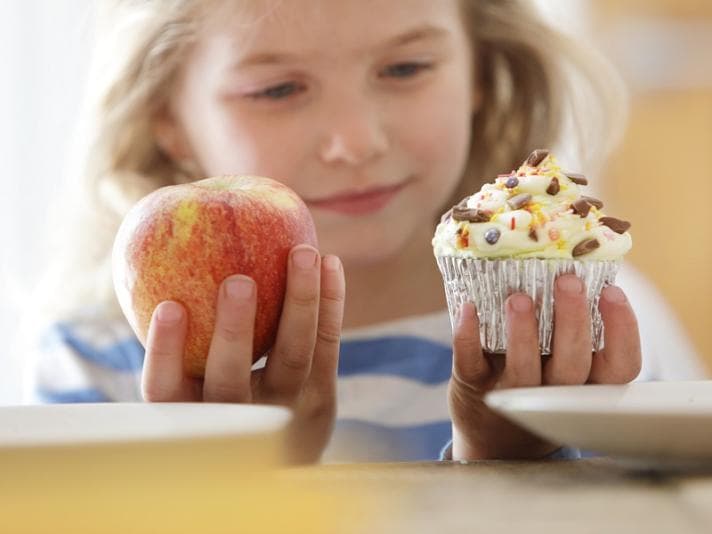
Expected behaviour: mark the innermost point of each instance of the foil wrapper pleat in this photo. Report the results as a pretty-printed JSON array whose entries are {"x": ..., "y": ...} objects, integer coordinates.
[{"x": 488, "y": 282}]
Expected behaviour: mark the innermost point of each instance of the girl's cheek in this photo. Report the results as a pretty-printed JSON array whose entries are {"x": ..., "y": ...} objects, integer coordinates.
[
  {"x": 277, "y": 153},
  {"x": 442, "y": 138},
  {"x": 230, "y": 145},
  {"x": 440, "y": 119}
]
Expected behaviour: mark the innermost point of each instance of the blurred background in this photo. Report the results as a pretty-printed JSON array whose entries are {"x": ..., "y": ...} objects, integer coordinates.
[{"x": 660, "y": 178}]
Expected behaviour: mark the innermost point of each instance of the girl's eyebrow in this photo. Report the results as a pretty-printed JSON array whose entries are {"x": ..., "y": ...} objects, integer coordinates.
[{"x": 420, "y": 33}]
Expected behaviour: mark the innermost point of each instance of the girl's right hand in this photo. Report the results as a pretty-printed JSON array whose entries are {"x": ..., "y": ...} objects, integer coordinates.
[
  {"x": 479, "y": 432},
  {"x": 301, "y": 369}
]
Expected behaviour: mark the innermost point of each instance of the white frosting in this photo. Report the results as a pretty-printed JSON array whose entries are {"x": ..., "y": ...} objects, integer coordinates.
[{"x": 557, "y": 227}]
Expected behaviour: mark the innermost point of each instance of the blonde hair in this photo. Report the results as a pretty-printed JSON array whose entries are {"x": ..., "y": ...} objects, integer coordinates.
[{"x": 533, "y": 80}]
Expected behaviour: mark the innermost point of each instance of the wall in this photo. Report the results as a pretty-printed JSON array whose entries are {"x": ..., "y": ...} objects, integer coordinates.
[
  {"x": 661, "y": 177},
  {"x": 44, "y": 48}
]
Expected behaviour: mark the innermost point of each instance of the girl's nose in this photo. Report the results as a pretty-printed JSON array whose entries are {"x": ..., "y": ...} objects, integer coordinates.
[{"x": 354, "y": 135}]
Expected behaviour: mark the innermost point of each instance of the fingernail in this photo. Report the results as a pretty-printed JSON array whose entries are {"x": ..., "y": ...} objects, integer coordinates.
[
  {"x": 570, "y": 284},
  {"x": 521, "y": 303},
  {"x": 239, "y": 288},
  {"x": 304, "y": 258},
  {"x": 614, "y": 295},
  {"x": 169, "y": 312},
  {"x": 332, "y": 263}
]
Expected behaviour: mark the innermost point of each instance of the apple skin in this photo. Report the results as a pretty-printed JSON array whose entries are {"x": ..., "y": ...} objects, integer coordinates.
[{"x": 180, "y": 242}]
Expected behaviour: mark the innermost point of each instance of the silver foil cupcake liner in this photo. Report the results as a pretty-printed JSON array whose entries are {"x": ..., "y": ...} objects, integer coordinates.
[{"x": 488, "y": 282}]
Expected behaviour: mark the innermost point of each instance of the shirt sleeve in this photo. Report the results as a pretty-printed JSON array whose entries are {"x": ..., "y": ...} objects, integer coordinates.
[
  {"x": 562, "y": 453},
  {"x": 668, "y": 352},
  {"x": 83, "y": 362}
]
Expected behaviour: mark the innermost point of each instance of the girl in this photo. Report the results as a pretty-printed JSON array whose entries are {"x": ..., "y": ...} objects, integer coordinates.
[{"x": 380, "y": 114}]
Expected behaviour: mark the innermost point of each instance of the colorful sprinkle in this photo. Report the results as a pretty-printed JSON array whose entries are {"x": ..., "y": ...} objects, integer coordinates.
[
  {"x": 617, "y": 225},
  {"x": 463, "y": 238},
  {"x": 554, "y": 187},
  {"x": 512, "y": 182},
  {"x": 541, "y": 217},
  {"x": 536, "y": 157},
  {"x": 492, "y": 236},
  {"x": 578, "y": 179},
  {"x": 584, "y": 247},
  {"x": 471, "y": 215},
  {"x": 518, "y": 201},
  {"x": 593, "y": 201},
  {"x": 581, "y": 207}
]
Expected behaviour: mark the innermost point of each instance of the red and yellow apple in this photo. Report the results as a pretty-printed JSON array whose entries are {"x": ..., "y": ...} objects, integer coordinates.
[{"x": 180, "y": 242}]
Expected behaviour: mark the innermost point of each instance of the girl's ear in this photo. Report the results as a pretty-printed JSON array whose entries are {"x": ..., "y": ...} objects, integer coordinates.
[
  {"x": 477, "y": 98},
  {"x": 169, "y": 136},
  {"x": 477, "y": 86}
]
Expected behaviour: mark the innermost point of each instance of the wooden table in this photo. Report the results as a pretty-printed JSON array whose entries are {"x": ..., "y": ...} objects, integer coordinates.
[{"x": 581, "y": 496}]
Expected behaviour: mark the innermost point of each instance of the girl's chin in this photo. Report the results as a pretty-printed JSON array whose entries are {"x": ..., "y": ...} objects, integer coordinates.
[
  {"x": 361, "y": 261},
  {"x": 362, "y": 253}
]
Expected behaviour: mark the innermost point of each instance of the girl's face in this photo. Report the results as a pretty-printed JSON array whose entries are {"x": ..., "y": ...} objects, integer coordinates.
[{"x": 363, "y": 107}]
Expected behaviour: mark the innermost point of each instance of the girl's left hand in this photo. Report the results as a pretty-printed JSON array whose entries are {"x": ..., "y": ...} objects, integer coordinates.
[
  {"x": 480, "y": 433},
  {"x": 300, "y": 372}
]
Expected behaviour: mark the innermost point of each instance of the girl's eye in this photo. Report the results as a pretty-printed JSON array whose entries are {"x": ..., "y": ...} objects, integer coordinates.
[
  {"x": 278, "y": 92},
  {"x": 405, "y": 70}
]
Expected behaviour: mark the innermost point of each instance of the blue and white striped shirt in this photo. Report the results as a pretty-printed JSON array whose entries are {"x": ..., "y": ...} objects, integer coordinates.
[{"x": 392, "y": 390}]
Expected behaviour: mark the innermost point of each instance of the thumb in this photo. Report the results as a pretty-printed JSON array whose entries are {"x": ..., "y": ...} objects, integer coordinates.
[{"x": 469, "y": 365}]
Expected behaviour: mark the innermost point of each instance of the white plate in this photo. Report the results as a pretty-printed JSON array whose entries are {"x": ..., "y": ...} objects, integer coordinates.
[
  {"x": 112, "y": 423},
  {"x": 146, "y": 468},
  {"x": 666, "y": 421}
]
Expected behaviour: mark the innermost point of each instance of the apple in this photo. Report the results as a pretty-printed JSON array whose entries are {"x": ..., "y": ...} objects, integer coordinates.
[{"x": 180, "y": 242}]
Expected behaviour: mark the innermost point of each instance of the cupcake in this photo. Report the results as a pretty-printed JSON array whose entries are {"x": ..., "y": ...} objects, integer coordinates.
[{"x": 518, "y": 234}]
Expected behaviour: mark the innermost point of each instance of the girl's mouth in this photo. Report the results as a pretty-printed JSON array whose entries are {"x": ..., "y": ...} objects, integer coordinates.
[{"x": 359, "y": 202}]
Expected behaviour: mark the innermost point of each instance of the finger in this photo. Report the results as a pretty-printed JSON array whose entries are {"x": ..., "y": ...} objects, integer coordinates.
[
  {"x": 571, "y": 355},
  {"x": 331, "y": 314},
  {"x": 313, "y": 420},
  {"x": 471, "y": 376},
  {"x": 620, "y": 360},
  {"x": 163, "y": 379},
  {"x": 289, "y": 362},
  {"x": 227, "y": 371},
  {"x": 468, "y": 363},
  {"x": 522, "y": 366}
]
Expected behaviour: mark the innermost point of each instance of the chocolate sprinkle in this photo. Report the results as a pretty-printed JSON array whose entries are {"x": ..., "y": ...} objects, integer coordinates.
[
  {"x": 470, "y": 215},
  {"x": 492, "y": 235},
  {"x": 584, "y": 247},
  {"x": 617, "y": 225},
  {"x": 554, "y": 187},
  {"x": 532, "y": 235},
  {"x": 593, "y": 201},
  {"x": 581, "y": 207},
  {"x": 512, "y": 182},
  {"x": 517, "y": 201},
  {"x": 536, "y": 157},
  {"x": 578, "y": 179}
]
